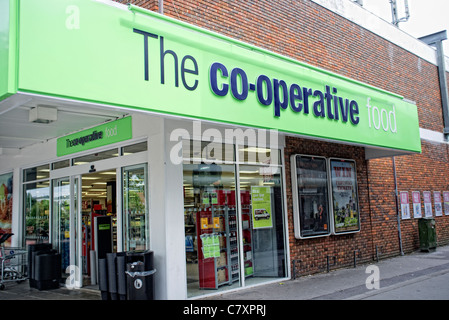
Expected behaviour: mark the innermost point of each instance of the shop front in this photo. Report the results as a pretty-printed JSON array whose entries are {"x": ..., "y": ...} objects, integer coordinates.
[
  {"x": 75, "y": 207},
  {"x": 168, "y": 137}
]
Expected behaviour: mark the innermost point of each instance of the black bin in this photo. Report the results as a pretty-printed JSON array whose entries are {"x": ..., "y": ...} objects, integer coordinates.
[
  {"x": 33, "y": 251},
  {"x": 47, "y": 270},
  {"x": 140, "y": 275},
  {"x": 116, "y": 275}
]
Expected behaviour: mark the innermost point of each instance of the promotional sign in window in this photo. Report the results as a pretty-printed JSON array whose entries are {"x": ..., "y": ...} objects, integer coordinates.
[
  {"x": 344, "y": 196},
  {"x": 437, "y": 203},
  {"x": 405, "y": 207},
  {"x": 310, "y": 196},
  {"x": 416, "y": 199},
  {"x": 446, "y": 202},
  {"x": 427, "y": 204},
  {"x": 261, "y": 204}
]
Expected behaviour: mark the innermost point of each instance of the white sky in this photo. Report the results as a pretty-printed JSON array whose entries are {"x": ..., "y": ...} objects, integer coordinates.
[{"x": 426, "y": 16}]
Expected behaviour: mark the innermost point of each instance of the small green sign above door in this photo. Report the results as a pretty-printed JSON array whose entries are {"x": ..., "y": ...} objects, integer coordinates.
[{"x": 102, "y": 135}]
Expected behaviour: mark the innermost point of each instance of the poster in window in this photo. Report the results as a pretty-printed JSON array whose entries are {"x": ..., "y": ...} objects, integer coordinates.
[
  {"x": 311, "y": 199},
  {"x": 405, "y": 206},
  {"x": 437, "y": 203},
  {"x": 344, "y": 196},
  {"x": 261, "y": 206},
  {"x": 446, "y": 202},
  {"x": 416, "y": 200},
  {"x": 5, "y": 203},
  {"x": 427, "y": 204}
]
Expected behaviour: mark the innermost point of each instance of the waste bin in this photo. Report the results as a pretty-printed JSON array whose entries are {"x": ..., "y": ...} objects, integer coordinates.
[
  {"x": 47, "y": 270},
  {"x": 427, "y": 234},
  {"x": 116, "y": 275},
  {"x": 140, "y": 275},
  {"x": 33, "y": 250}
]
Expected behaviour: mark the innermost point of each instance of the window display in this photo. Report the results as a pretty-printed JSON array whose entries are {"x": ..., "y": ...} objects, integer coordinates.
[
  {"x": 344, "y": 196},
  {"x": 311, "y": 205},
  {"x": 212, "y": 251},
  {"x": 325, "y": 197},
  {"x": 232, "y": 242},
  {"x": 36, "y": 204},
  {"x": 6, "y": 203}
]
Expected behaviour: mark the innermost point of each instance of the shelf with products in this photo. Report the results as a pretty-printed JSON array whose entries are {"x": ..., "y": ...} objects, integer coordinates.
[
  {"x": 211, "y": 227},
  {"x": 216, "y": 238},
  {"x": 247, "y": 231}
]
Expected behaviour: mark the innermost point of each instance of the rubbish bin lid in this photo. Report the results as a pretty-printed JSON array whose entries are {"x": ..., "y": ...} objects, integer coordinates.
[{"x": 140, "y": 273}]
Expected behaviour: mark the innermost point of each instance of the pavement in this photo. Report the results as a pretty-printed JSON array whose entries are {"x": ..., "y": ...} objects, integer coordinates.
[{"x": 415, "y": 276}]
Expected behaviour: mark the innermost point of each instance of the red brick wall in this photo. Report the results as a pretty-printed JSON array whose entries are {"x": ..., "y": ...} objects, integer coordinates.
[
  {"x": 313, "y": 252},
  {"x": 310, "y": 33}
]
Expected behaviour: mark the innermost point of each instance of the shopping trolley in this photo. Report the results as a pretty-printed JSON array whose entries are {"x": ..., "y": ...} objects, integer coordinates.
[{"x": 13, "y": 262}]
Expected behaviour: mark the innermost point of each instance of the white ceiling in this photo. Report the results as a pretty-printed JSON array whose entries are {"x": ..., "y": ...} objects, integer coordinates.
[{"x": 17, "y": 132}]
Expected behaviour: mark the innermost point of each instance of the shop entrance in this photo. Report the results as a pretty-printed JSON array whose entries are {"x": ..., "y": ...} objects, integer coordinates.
[
  {"x": 98, "y": 218},
  {"x": 95, "y": 213}
]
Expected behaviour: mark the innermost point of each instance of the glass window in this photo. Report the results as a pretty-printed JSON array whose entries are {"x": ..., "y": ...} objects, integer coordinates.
[
  {"x": 95, "y": 157},
  {"x": 310, "y": 196},
  {"x": 258, "y": 155},
  {"x": 60, "y": 164},
  {"x": 211, "y": 234},
  {"x": 216, "y": 229},
  {"x": 36, "y": 208},
  {"x": 344, "y": 196},
  {"x": 207, "y": 152},
  {"x": 6, "y": 197},
  {"x": 134, "y": 148},
  {"x": 135, "y": 208},
  {"x": 36, "y": 173},
  {"x": 262, "y": 222},
  {"x": 61, "y": 219}
]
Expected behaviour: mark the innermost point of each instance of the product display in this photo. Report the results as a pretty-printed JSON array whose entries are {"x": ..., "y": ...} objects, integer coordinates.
[{"x": 214, "y": 243}]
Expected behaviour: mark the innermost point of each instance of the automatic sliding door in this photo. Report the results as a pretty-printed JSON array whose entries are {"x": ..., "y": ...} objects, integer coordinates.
[
  {"x": 61, "y": 219},
  {"x": 66, "y": 219}
]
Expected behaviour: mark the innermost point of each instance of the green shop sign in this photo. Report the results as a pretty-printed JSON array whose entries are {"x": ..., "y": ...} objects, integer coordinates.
[
  {"x": 108, "y": 53},
  {"x": 102, "y": 135}
]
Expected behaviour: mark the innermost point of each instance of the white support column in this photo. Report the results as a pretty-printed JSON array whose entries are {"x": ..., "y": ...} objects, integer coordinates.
[{"x": 166, "y": 215}]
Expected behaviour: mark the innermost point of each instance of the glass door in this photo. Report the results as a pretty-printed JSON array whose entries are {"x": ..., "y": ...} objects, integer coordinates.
[
  {"x": 66, "y": 219},
  {"x": 135, "y": 208}
]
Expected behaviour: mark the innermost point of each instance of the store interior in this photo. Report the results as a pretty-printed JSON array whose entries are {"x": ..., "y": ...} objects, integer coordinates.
[{"x": 98, "y": 199}]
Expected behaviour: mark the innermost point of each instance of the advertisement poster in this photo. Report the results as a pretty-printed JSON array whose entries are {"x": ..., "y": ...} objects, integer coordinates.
[
  {"x": 437, "y": 203},
  {"x": 405, "y": 206},
  {"x": 427, "y": 204},
  {"x": 446, "y": 202},
  {"x": 344, "y": 195},
  {"x": 416, "y": 199},
  {"x": 6, "y": 203},
  {"x": 261, "y": 207}
]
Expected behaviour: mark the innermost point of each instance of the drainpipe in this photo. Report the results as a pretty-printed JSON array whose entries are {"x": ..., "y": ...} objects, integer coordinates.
[
  {"x": 436, "y": 40},
  {"x": 160, "y": 5},
  {"x": 398, "y": 212}
]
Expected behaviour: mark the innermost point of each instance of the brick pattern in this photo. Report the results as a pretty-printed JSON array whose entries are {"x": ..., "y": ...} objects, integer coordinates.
[
  {"x": 309, "y": 33},
  {"x": 313, "y": 252}
]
